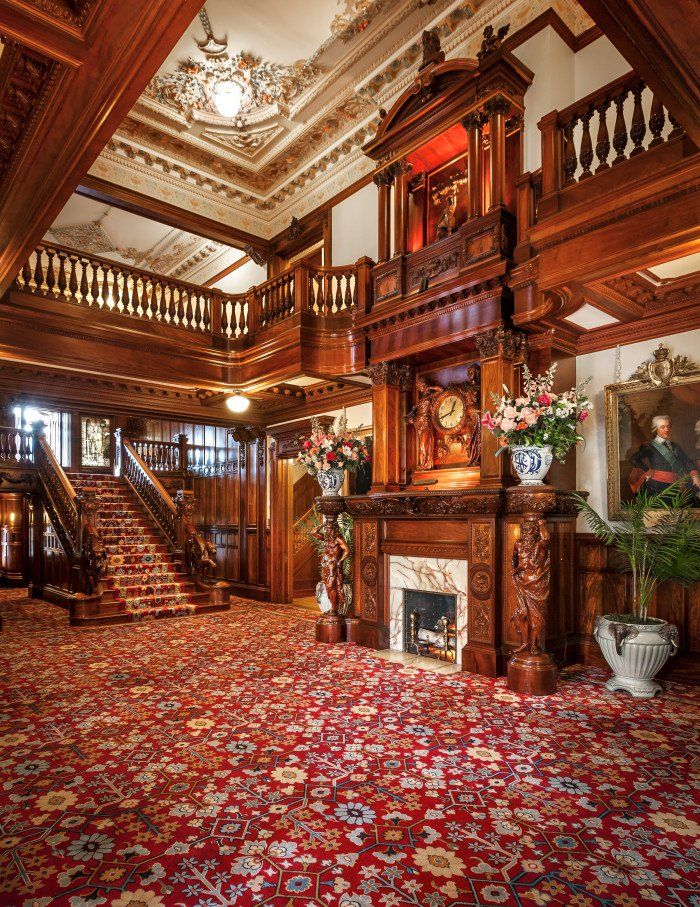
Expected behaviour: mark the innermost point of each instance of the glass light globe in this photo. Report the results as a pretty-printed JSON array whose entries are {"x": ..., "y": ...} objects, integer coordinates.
[
  {"x": 237, "y": 403},
  {"x": 228, "y": 97}
]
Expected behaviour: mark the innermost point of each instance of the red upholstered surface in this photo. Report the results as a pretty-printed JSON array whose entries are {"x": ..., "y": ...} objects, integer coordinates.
[{"x": 229, "y": 760}]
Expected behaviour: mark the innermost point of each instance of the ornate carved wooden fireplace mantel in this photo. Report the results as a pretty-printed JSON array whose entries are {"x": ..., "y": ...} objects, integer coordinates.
[{"x": 480, "y": 526}]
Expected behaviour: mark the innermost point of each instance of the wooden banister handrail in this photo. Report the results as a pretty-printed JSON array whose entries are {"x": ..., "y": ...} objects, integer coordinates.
[{"x": 594, "y": 98}]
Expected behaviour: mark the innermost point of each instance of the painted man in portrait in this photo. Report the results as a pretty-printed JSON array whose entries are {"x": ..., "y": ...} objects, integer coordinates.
[{"x": 661, "y": 462}]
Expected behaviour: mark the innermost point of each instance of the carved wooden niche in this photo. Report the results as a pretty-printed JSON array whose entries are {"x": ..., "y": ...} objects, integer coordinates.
[{"x": 446, "y": 421}]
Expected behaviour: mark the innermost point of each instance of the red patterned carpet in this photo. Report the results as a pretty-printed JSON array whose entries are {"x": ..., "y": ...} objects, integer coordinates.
[{"x": 229, "y": 760}]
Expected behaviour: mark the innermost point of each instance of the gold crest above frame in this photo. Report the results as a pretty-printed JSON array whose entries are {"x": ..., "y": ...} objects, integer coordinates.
[{"x": 652, "y": 429}]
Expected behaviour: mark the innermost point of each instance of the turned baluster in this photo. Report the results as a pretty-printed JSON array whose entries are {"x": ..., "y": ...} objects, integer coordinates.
[
  {"x": 167, "y": 288},
  {"x": 657, "y": 121},
  {"x": 639, "y": 127},
  {"x": 602, "y": 145},
  {"x": 26, "y": 275},
  {"x": 570, "y": 159},
  {"x": 338, "y": 305},
  {"x": 62, "y": 279},
  {"x": 94, "y": 284},
  {"x": 586, "y": 155},
  {"x": 39, "y": 271},
  {"x": 320, "y": 293},
  {"x": 106, "y": 295},
  {"x": 180, "y": 306},
  {"x": 126, "y": 302},
  {"x": 620, "y": 135},
  {"x": 50, "y": 278},
  {"x": 347, "y": 299},
  {"x": 226, "y": 318},
  {"x": 157, "y": 300},
  {"x": 677, "y": 128},
  {"x": 73, "y": 279},
  {"x": 83, "y": 285},
  {"x": 355, "y": 281}
]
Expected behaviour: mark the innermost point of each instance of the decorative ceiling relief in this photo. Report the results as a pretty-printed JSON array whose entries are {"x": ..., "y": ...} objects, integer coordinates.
[
  {"x": 152, "y": 246},
  {"x": 193, "y": 85}
]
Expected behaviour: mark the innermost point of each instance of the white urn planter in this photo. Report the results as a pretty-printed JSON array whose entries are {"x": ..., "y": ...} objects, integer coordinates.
[
  {"x": 331, "y": 481},
  {"x": 636, "y": 653},
  {"x": 531, "y": 463}
]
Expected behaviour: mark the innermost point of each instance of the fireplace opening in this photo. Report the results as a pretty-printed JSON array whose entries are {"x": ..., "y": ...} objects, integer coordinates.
[{"x": 430, "y": 627}]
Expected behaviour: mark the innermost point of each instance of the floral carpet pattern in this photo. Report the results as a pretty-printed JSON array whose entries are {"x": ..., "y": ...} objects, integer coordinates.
[{"x": 230, "y": 760}]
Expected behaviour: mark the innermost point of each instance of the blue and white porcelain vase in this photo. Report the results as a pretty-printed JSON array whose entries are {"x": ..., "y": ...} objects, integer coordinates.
[
  {"x": 331, "y": 481},
  {"x": 531, "y": 463}
]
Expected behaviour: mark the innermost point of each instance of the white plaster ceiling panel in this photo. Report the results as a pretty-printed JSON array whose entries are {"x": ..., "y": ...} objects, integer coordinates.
[{"x": 97, "y": 229}]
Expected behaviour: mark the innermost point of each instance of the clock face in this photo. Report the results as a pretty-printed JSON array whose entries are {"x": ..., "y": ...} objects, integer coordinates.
[{"x": 450, "y": 411}]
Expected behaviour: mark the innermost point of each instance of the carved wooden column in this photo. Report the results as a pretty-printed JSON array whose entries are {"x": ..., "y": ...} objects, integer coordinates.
[
  {"x": 531, "y": 670},
  {"x": 496, "y": 109},
  {"x": 499, "y": 350},
  {"x": 390, "y": 382},
  {"x": 281, "y": 528},
  {"x": 383, "y": 181},
  {"x": 403, "y": 169},
  {"x": 473, "y": 123}
]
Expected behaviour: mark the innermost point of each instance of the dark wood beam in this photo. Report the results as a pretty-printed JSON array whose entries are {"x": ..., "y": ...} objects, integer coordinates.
[
  {"x": 35, "y": 28},
  {"x": 129, "y": 199},
  {"x": 660, "y": 39},
  {"x": 77, "y": 111}
]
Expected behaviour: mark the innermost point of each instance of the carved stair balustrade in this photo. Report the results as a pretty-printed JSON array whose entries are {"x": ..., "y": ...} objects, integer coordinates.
[
  {"x": 73, "y": 518},
  {"x": 162, "y": 456},
  {"x": 147, "y": 486},
  {"x": 175, "y": 518}
]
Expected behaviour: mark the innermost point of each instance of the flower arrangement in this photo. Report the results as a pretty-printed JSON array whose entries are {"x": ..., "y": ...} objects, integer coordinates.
[
  {"x": 332, "y": 449},
  {"x": 539, "y": 417}
]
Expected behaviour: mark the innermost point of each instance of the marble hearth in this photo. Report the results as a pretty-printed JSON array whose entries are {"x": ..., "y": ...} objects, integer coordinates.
[{"x": 426, "y": 574}]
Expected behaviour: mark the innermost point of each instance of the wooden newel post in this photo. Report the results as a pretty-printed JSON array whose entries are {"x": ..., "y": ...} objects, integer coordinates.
[
  {"x": 216, "y": 312},
  {"x": 330, "y": 627},
  {"x": 531, "y": 670},
  {"x": 363, "y": 276},
  {"x": 182, "y": 453}
]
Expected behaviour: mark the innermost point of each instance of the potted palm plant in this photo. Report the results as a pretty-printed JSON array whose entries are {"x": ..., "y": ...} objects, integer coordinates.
[{"x": 658, "y": 538}]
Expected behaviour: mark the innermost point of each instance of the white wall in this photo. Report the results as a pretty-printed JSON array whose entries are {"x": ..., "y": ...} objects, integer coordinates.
[
  {"x": 596, "y": 65},
  {"x": 591, "y": 462},
  {"x": 354, "y": 227},
  {"x": 562, "y": 77},
  {"x": 242, "y": 279},
  {"x": 553, "y": 87}
]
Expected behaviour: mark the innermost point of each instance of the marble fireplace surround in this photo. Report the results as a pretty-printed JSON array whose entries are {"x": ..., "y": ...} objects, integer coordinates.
[{"x": 426, "y": 574}]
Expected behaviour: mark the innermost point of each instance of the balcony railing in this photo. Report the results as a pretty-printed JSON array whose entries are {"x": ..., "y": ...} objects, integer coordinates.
[
  {"x": 60, "y": 274},
  {"x": 16, "y": 446}
]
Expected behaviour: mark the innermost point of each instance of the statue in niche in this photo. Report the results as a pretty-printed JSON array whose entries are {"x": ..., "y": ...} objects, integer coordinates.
[
  {"x": 472, "y": 429},
  {"x": 531, "y": 575},
  {"x": 335, "y": 552},
  {"x": 446, "y": 225},
  {"x": 421, "y": 419}
]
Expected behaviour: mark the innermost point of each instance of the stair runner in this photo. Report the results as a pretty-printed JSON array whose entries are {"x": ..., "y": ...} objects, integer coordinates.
[{"x": 142, "y": 579}]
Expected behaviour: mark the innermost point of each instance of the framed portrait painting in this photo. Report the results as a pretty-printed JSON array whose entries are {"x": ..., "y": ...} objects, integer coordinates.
[{"x": 652, "y": 429}]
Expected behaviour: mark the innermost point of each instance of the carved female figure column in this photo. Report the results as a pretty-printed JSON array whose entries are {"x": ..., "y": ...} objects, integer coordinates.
[
  {"x": 531, "y": 669},
  {"x": 421, "y": 419},
  {"x": 330, "y": 627}
]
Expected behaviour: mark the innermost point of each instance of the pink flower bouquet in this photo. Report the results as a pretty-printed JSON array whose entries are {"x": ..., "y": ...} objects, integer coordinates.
[
  {"x": 539, "y": 417},
  {"x": 332, "y": 449}
]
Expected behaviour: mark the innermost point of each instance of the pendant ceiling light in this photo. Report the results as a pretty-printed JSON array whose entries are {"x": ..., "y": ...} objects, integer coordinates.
[
  {"x": 237, "y": 403},
  {"x": 228, "y": 97}
]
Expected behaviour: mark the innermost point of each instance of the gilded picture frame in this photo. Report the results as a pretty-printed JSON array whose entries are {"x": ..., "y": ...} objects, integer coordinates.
[{"x": 665, "y": 385}]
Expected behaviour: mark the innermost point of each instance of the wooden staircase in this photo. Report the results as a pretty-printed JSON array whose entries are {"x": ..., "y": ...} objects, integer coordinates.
[{"x": 143, "y": 578}]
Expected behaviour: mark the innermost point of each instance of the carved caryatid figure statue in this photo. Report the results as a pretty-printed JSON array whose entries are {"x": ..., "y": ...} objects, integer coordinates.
[
  {"x": 335, "y": 552},
  {"x": 446, "y": 225},
  {"x": 421, "y": 419},
  {"x": 531, "y": 575}
]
